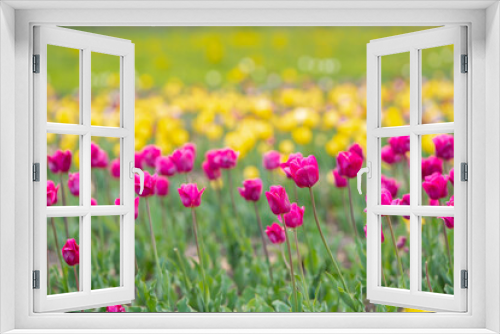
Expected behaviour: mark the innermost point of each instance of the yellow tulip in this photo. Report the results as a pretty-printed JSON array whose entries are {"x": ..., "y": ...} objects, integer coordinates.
[
  {"x": 286, "y": 146},
  {"x": 302, "y": 135},
  {"x": 251, "y": 172}
]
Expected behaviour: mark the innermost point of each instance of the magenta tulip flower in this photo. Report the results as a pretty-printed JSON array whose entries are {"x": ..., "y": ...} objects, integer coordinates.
[
  {"x": 295, "y": 217},
  {"x": 74, "y": 183},
  {"x": 340, "y": 181},
  {"x": 271, "y": 160},
  {"x": 93, "y": 201},
  {"x": 139, "y": 160},
  {"x": 228, "y": 158},
  {"x": 449, "y": 222},
  {"x": 115, "y": 308},
  {"x": 444, "y": 145},
  {"x": 162, "y": 186},
  {"x": 390, "y": 184},
  {"x": 349, "y": 164},
  {"x": 136, "y": 206},
  {"x": 71, "y": 252},
  {"x": 98, "y": 157},
  {"x": 366, "y": 233},
  {"x": 305, "y": 171},
  {"x": 433, "y": 202},
  {"x": 405, "y": 200},
  {"x": 51, "y": 193},
  {"x": 190, "y": 195},
  {"x": 150, "y": 153},
  {"x": 183, "y": 159},
  {"x": 115, "y": 168},
  {"x": 60, "y": 162},
  {"x": 385, "y": 197},
  {"x": 278, "y": 200},
  {"x": 401, "y": 242},
  {"x": 191, "y": 147},
  {"x": 356, "y": 148},
  {"x": 285, "y": 166},
  {"x": 165, "y": 166},
  {"x": 389, "y": 156},
  {"x": 400, "y": 145},
  {"x": 431, "y": 165},
  {"x": 252, "y": 189},
  {"x": 276, "y": 233},
  {"x": 452, "y": 176},
  {"x": 213, "y": 159},
  {"x": 210, "y": 173},
  {"x": 436, "y": 186},
  {"x": 149, "y": 184}
]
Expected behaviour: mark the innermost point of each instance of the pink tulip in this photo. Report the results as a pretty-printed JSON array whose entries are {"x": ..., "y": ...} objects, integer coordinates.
[
  {"x": 271, "y": 160},
  {"x": 191, "y": 147},
  {"x": 444, "y": 145},
  {"x": 51, "y": 193},
  {"x": 390, "y": 184},
  {"x": 98, "y": 157},
  {"x": 401, "y": 242},
  {"x": 436, "y": 186},
  {"x": 136, "y": 206},
  {"x": 139, "y": 160},
  {"x": 190, "y": 195},
  {"x": 115, "y": 168},
  {"x": 213, "y": 159},
  {"x": 278, "y": 200},
  {"x": 433, "y": 202},
  {"x": 405, "y": 200},
  {"x": 71, "y": 252},
  {"x": 305, "y": 171},
  {"x": 449, "y": 221},
  {"x": 285, "y": 166},
  {"x": 452, "y": 176},
  {"x": 93, "y": 201},
  {"x": 349, "y": 164},
  {"x": 295, "y": 217},
  {"x": 162, "y": 186},
  {"x": 60, "y": 162},
  {"x": 340, "y": 181},
  {"x": 385, "y": 197},
  {"x": 431, "y": 165},
  {"x": 165, "y": 166},
  {"x": 451, "y": 202},
  {"x": 366, "y": 233},
  {"x": 149, "y": 184},
  {"x": 389, "y": 156},
  {"x": 276, "y": 233},
  {"x": 74, "y": 183},
  {"x": 183, "y": 160},
  {"x": 211, "y": 174},
  {"x": 150, "y": 153},
  {"x": 356, "y": 148},
  {"x": 252, "y": 189},
  {"x": 115, "y": 308},
  {"x": 228, "y": 158},
  {"x": 400, "y": 145}
]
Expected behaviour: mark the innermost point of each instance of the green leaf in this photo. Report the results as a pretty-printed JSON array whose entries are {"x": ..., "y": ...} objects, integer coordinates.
[
  {"x": 279, "y": 306},
  {"x": 182, "y": 306},
  {"x": 346, "y": 298}
]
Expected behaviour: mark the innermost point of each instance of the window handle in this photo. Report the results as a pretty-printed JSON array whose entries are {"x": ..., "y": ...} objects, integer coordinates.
[
  {"x": 368, "y": 171},
  {"x": 133, "y": 170}
]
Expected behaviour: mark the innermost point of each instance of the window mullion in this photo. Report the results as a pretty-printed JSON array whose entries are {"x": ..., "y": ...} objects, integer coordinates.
[{"x": 415, "y": 112}]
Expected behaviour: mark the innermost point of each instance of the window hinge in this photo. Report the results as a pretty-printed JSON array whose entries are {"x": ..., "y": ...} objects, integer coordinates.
[
  {"x": 464, "y": 171},
  {"x": 465, "y": 64},
  {"x": 36, "y": 63},
  {"x": 36, "y": 279},
  {"x": 465, "y": 279},
  {"x": 36, "y": 172}
]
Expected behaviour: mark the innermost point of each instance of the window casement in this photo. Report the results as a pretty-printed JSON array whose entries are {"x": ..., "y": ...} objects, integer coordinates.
[
  {"x": 83, "y": 214},
  {"x": 418, "y": 212}
]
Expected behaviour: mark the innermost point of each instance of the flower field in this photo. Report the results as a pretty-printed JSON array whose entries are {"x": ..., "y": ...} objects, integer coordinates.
[{"x": 250, "y": 202}]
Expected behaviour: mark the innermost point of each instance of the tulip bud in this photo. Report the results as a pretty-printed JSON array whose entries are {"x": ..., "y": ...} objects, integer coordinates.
[
  {"x": 190, "y": 195},
  {"x": 51, "y": 193},
  {"x": 444, "y": 145},
  {"x": 71, "y": 252},
  {"x": 271, "y": 160},
  {"x": 278, "y": 200},
  {"x": 252, "y": 189},
  {"x": 276, "y": 233}
]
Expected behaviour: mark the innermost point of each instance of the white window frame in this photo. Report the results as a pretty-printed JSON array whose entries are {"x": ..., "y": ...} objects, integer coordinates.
[{"x": 484, "y": 52}]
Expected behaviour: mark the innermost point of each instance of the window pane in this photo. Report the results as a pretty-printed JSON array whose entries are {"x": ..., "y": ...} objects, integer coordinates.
[
  {"x": 63, "y": 255},
  {"x": 395, "y": 252},
  {"x": 437, "y": 254},
  {"x": 63, "y": 82},
  {"x": 105, "y": 241},
  {"x": 395, "y": 171},
  {"x": 105, "y": 104},
  {"x": 63, "y": 170},
  {"x": 395, "y": 93},
  {"x": 438, "y": 174},
  {"x": 105, "y": 163},
  {"x": 437, "y": 84}
]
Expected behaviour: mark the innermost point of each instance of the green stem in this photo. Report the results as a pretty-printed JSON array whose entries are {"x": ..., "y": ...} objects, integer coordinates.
[
  {"x": 446, "y": 242},
  {"x": 264, "y": 244},
  {"x": 183, "y": 269},
  {"x": 294, "y": 286},
  {"x": 63, "y": 195},
  {"x": 200, "y": 256},
  {"x": 59, "y": 254},
  {"x": 76, "y": 278},
  {"x": 383, "y": 273},
  {"x": 325, "y": 243},
  {"x": 304, "y": 282},
  {"x": 393, "y": 238},
  {"x": 352, "y": 211},
  {"x": 427, "y": 277},
  {"x": 155, "y": 250}
]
